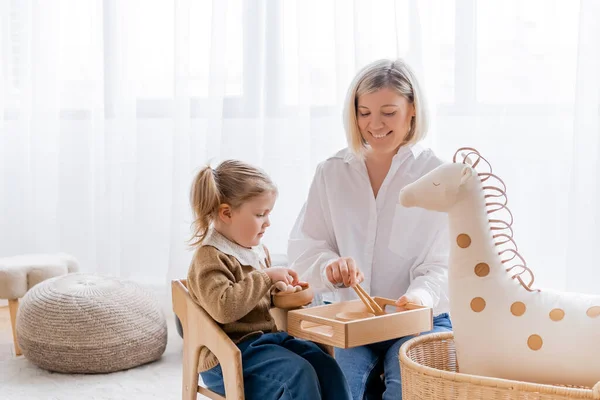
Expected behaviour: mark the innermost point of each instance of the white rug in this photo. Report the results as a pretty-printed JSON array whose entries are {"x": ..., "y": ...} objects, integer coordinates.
[{"x": 21, "y": 380}]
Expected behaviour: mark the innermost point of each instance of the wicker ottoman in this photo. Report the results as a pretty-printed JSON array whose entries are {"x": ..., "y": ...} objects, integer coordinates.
[{"x": 83, "y": 323}]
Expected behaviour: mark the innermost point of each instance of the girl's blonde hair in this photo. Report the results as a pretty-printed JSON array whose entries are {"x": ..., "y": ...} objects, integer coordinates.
[
  {"x": 233, "y": 182},
  {"x": 395, "y": 75}
]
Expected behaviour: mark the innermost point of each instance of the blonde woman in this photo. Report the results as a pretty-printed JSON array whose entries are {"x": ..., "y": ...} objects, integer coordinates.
[{"x": 352, "y": 230}]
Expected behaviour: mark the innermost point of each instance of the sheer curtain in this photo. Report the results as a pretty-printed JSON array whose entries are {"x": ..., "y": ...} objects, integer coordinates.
[{"x": 107, "y": 108}]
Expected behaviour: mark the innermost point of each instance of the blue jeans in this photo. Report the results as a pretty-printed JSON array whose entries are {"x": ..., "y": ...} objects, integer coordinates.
[
  {"x": 279, "y": 366},
  {"x": 364, "y": 365}
]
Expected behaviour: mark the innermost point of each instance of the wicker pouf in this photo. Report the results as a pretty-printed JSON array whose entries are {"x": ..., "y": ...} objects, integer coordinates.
[
  {"x": 82, "y": 323},
  {"x": 430, "y": 371}
]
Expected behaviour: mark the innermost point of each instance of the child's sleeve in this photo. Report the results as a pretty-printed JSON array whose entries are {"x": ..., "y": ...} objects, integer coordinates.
[{"x": 226, "y": 301}]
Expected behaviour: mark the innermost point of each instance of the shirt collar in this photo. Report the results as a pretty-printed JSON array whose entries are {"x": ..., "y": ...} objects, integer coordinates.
[{"x": 254, "y": 257}]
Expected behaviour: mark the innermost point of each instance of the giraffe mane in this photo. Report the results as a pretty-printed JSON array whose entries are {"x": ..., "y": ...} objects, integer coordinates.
[{"x": 463, "y": 155}]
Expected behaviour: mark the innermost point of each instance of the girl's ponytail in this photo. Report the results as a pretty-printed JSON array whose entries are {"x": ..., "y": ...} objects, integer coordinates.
[{"x": 205, "y": 199}]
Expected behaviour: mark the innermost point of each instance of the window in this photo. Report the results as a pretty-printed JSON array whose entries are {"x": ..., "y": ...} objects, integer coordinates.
[{"x": 515, "y": 38}]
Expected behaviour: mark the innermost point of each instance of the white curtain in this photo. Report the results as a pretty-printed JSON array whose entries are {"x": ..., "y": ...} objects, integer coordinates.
[{"x": 108, "y": 107}]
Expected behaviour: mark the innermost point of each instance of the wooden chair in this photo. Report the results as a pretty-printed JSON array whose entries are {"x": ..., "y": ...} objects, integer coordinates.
[{"x": 199, "y": 329}]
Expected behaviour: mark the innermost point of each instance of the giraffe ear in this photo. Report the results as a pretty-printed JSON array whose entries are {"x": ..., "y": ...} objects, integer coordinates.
[{"x": 466, "y": 174}]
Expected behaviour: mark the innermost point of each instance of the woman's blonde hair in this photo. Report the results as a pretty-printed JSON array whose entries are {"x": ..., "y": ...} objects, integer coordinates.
[
  {"x": 395, "y": 75},
  {"x": 233, "y": 182}
]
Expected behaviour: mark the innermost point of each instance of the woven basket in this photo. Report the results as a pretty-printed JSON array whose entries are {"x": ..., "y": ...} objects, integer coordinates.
[{"x": 430, "y": 371}]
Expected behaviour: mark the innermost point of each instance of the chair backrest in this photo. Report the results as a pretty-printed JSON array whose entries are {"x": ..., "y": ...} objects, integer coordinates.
[
  {"x": 199, "y": 329},
  {"x": 183, "y": 304}
]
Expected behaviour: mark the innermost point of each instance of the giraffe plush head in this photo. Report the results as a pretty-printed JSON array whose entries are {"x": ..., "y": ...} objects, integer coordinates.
[
  {"x": 503, "y": 327},
  {"x": 440, "y": 189}
]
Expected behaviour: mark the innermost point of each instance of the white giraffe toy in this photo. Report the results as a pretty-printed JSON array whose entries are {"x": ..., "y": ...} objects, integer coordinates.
[{"x": 502, "y": 327}]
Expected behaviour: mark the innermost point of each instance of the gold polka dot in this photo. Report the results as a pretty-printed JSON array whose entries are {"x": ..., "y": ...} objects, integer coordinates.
[
  {"x": 477, "y": 304},
  {"x": 518, "y": 308},
  {"x": 557, "y": 314},
  {"x": 593, "y": 312},
  {"x": 535, "y": 342},
  {"x": 482, "y": 269},
  {"x": 463, "y": 240}
]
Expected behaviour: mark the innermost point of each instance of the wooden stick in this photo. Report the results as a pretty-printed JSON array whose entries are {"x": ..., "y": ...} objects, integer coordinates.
[
  {"x": 378, "y": 310},
  {"x": 412, "y": 306},
  {"x": 374, "y": 304},
  {"x": 364, "y": 300},
  {"x": 407, "y": 306},
  {"x": 364, "y": 296}
]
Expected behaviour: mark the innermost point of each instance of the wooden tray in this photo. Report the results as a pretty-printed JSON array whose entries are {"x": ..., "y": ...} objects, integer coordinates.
[{"x": 319, "y": 324}]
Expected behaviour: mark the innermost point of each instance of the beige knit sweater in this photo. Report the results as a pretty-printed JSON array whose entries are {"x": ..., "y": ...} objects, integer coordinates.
[{"x": 236, "y": 296}]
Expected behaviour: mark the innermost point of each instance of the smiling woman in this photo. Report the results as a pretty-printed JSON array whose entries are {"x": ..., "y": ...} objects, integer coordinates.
[
  {"x": 351, "y": 229},
  {"x": 387, "y": 102}
]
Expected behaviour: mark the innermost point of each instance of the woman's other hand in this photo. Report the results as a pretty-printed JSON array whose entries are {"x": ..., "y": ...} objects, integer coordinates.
[{"x": 409, "y": 298}]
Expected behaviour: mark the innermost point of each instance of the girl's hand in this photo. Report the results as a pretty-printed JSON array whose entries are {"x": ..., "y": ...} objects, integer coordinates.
[
  {"x": 286, "y": 275},
  {"x": 408, "y": 298},
  {"x": 344, "y": 271}
]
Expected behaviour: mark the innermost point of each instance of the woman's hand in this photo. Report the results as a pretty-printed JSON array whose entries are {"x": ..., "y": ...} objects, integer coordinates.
[
  {"x": 286, "y": 275},
  {"x": 409, "y": 298},
  {"x": 344, "y": 271}
]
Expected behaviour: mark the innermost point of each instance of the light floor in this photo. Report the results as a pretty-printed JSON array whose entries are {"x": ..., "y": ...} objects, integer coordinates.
[{"x": 6, "y": 342}]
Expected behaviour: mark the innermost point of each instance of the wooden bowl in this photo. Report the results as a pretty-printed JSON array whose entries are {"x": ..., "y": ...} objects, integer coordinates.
[
  {"x": 353, "y": 315},
  {"x": 293, "y": 300}
]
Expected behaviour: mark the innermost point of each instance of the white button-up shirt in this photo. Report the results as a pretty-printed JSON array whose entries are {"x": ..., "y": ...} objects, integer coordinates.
[{"x": 398, "y": 249}]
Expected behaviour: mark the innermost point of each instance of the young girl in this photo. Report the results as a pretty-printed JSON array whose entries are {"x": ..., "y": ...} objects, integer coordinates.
[{"x": 230, "y": 277}]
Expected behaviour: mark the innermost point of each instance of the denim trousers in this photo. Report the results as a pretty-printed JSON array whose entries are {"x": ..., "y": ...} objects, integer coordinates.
[
  {"x": 364, "y": 365},
  {"x": 279, "y": 366}
]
